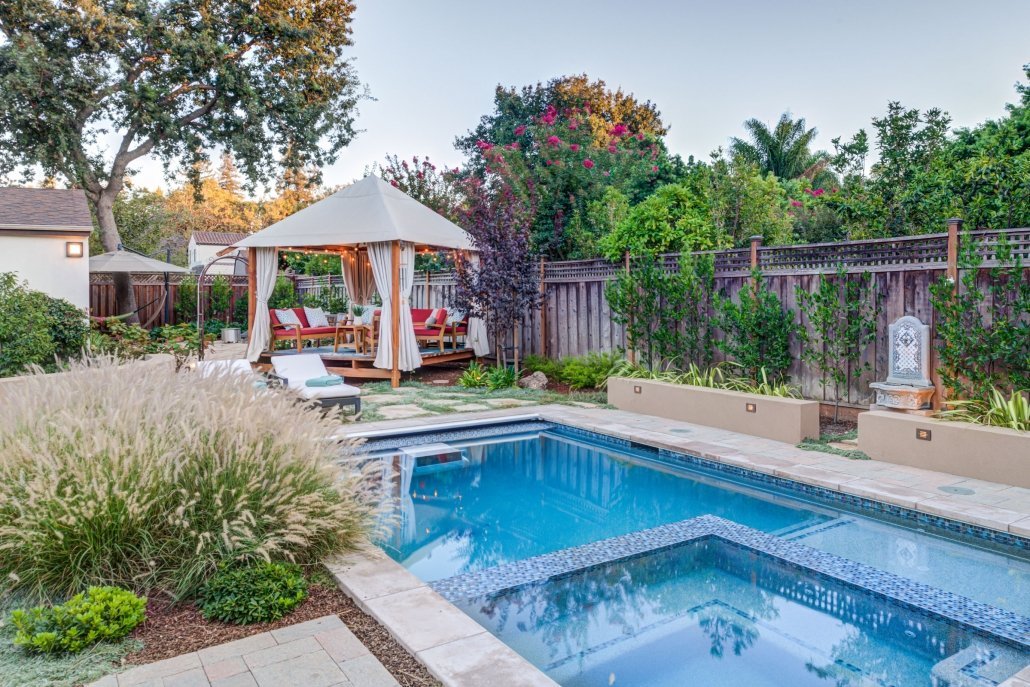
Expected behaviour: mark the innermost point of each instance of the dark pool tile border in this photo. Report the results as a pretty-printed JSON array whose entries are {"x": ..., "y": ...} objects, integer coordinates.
[
  {"x": 422, "y": 435},
  {"x": 830, "y": 497},
  {"x": 973, "y": 615}
]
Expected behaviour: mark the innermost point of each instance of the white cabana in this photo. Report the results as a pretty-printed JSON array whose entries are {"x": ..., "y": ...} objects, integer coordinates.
[{"x": 370, "y": 221}]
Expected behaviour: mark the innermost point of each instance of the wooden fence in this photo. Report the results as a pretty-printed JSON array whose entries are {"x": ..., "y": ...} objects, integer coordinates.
[
  {"x": 154, "y": 311},
  {"x": 575, "y": 318}
]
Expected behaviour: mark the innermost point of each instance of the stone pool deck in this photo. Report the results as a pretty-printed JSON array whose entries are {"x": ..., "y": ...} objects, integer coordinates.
[
  {"x": 987, "y": 504},
  {"x": 316, "y": 653}
]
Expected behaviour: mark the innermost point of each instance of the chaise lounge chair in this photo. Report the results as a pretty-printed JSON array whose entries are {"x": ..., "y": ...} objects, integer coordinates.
[{"x": 305, "y": 375}]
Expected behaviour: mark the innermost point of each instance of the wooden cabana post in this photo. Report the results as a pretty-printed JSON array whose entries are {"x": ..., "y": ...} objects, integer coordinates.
[{"x": 395, "y": 313}]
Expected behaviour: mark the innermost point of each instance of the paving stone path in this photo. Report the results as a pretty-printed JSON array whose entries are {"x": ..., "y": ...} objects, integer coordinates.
[
  {"x": 317, "y": 653},
  {"x": 380, "y": 402}
]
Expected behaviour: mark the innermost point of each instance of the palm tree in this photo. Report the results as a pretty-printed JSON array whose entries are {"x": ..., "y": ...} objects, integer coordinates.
[{"x": 784, "y": 150}]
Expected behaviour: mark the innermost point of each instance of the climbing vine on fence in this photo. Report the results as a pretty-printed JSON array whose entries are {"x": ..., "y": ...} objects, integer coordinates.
[
  {"x": 841, "y": 317},
  {"x": 983, "y": 334},
  {"x": 757, "y": 330},
  {"x": 666, "y": 312}
]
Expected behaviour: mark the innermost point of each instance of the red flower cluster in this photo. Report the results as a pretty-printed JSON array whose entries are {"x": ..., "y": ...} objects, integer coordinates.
[
  {"x": 796, "y": 203},
  {"x": 588, "y": 163},
  {"x": 483, "y": 145},
  {"x": 619, "y": 130},
  {"x": 520, "y": 129},
  {"x": 815, "y": 192},
  {"x": 550, "y": 116},
  {"x": 553, "y": 141},
  {"x": 574, "y": 147}
]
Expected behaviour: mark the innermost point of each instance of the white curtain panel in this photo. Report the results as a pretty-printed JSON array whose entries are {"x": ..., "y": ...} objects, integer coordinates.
[
  {"x": 380, "y": 255},
  {"x": 477, "y": 338},
  {"x": 357, "y": 276},
  {"x": 260, "y": 335}
]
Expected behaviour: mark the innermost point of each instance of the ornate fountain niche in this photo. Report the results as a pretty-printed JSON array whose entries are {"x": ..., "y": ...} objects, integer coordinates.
[{"x": 908, "y": 386}]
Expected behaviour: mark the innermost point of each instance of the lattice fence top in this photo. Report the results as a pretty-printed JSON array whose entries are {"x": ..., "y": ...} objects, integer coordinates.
[
  {"x": 926, "y": 251},
  {"x": 173, "y": 279}
]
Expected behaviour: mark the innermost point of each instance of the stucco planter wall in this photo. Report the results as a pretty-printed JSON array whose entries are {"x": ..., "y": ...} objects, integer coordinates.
[
  {"x": 960, "y": 448},
  {"x": 783, "y": 419}
]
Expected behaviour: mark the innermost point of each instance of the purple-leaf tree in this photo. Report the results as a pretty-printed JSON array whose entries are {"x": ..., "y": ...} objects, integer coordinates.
[{"x": 503, "y": 288}]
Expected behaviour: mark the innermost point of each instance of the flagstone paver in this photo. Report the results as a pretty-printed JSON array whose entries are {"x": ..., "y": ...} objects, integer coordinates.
[
  {"x": 316, "y": 653},
  {"x": 402, "y": 411}
]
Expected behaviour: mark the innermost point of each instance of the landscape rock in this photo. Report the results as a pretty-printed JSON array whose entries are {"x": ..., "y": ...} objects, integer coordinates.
[{"x": 536, "y": 381}]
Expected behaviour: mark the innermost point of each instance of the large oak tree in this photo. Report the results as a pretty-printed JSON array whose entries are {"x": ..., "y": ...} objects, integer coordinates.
[{"x": 89, "y": 87}]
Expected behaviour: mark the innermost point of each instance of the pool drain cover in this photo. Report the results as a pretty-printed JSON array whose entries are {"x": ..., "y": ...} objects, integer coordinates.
[{"x": 961, "y": 491}]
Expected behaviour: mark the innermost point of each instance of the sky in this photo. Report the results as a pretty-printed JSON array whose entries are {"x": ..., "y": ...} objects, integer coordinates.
[{"x": 432, "y": 66}]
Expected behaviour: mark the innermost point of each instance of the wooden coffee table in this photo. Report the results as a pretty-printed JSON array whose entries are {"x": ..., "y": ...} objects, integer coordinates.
[{"x": 358, "y": 330}]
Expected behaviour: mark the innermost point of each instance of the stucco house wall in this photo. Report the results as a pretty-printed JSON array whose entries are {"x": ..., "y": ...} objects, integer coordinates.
[{"x": 36, "y": 226}]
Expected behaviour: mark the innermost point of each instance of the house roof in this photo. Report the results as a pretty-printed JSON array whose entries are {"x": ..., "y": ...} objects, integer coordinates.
[
  {"x": 44, "y": 210},
  {"x": 217, "y": 238},
  {"x": 365, "y": 212}
]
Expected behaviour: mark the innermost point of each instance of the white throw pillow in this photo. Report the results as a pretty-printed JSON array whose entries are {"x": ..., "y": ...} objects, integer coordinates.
[
  {"x": 316, "y": 317},
  {"x": 454, "y": 316},
  {"x": 434, "y": 317},
  {"x": 369, "y": 316},
  {"x": 287, "y": 316}
]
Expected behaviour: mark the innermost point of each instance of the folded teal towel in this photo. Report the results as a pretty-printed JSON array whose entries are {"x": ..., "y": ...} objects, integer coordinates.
[{"x": 328, "y": 380}]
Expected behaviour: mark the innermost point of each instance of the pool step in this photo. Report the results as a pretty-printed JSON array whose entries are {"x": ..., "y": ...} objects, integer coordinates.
[{"x": 807, "y": 528}]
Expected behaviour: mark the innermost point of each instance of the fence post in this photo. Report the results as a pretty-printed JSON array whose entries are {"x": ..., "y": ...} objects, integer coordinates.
[
  {"x": 756, "y": 243},
  {"x": 954, "y": 227},
  {"x": 631, "y": 354},
  {"x": 543, "y": 308}
]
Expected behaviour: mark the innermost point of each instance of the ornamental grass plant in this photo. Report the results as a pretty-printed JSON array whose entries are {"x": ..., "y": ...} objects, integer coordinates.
[{"x": 133, "y": 475}]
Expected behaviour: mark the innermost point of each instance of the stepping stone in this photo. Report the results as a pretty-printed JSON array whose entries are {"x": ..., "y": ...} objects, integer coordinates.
[
  {"x": 383, "y": 398},
  {"x": 441, "y": 382},
  {"x": 843, "y": 445},
  {"x": 508, "y": 402},
  {"x": 583, "y": 404},
  {"x": 400, "y": 412},
  {"x": 446, "y": 402},
  {"x": 471, "y": 407}
]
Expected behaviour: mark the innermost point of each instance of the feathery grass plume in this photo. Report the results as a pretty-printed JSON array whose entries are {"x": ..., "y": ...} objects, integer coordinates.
[{"x": 135, "y": 476}]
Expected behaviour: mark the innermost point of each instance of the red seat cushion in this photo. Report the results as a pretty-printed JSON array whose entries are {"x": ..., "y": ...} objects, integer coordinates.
[
  {"x": 425, "y": 331},
  {"x": 318, "y": 330}
]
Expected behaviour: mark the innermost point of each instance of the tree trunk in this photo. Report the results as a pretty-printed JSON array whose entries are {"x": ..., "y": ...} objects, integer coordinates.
[{"x": 124, "y": 295}]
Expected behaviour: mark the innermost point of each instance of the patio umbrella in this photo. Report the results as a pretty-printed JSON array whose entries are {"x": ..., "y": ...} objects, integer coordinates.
[{"x": 127, "y": 262}]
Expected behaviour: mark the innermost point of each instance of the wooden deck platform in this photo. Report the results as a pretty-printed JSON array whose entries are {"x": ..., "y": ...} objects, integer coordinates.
[{"x": 350, "y": 364}]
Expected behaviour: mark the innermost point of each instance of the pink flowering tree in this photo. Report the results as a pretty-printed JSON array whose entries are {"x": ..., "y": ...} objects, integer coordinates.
[{"x": 560, "y": 163}]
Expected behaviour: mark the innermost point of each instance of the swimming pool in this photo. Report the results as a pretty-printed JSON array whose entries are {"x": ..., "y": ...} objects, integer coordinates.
[
  {"x": 716, "y": 614},
  {"x": 485, "y": 514}
]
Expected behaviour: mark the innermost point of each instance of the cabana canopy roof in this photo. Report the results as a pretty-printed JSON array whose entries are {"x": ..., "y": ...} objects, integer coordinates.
[{"x": 368, "y": 211}]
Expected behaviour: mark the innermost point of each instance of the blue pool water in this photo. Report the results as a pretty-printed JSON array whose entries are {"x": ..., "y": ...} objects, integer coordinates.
[
  {"x": 715, "y": 614},
  {"x": 517, "y": 497}
]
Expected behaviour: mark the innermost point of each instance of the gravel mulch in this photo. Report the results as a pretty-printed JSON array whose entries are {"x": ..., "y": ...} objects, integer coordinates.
[
  {"x": 171, "y": 630},
  {"x": 830, "y": 428}
]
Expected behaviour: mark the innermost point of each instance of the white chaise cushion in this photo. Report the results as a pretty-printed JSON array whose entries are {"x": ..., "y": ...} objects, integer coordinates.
[
  {"x": 297, "y": 369},
  {"x": 210, "y": 368}
]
